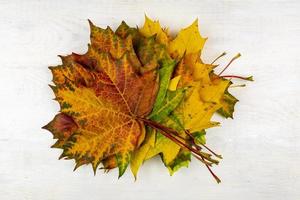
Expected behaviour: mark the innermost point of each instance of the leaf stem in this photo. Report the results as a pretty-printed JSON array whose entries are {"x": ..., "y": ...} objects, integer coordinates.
[
  {"x": 206, "y": 147},
  {"x": 172, "y": 135},
  {"x": 249, "y": 78},
  {"x": 234, "y": 58},
  {"x": 217, "y": 58},
  {"x": 236, "y": 86}
]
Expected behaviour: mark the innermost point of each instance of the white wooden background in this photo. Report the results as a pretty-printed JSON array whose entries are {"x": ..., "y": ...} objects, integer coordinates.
[{"x": 260, "y": 146}]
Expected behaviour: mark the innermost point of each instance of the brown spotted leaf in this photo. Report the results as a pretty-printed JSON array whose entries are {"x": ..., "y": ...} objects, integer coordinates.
[{"x": 101, "y": 95}]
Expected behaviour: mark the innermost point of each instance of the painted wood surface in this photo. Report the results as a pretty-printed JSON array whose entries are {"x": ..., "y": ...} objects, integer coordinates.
[{"x": 260, "y": 146}]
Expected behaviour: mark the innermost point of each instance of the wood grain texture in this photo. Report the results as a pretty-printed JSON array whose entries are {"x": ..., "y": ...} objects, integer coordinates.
[{"x": 260, "y": 147}]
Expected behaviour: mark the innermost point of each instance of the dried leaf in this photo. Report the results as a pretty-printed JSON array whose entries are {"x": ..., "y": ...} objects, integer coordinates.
[
  {"x": 104, "y": 95},
  {"x": 138, "y": 93}
]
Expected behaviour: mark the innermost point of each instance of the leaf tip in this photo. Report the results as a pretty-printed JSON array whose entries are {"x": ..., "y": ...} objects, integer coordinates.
[
  {"x": 196, "y": 22},
  {"x": 90, "y": 23},
  {"x": 146, "y": 17},
  {"x": 46, "y": 127},
  {"x": 54, "y": 88},
  {"x": 62, "y": 156}
]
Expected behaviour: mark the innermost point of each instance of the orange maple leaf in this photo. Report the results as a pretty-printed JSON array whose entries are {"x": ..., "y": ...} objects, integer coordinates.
[{"x": 101, "y": 94}]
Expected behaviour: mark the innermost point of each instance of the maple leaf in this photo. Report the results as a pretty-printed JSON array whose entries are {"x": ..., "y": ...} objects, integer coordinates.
[
  {"x": 167, "y": 148},
  {"x": 187, "y": 41},
  {"x": 153, "y": 28},
  {"x": 205, "y": 97},
  {"x": 137, "y": 93},
  {"x": 102, "y": 93},
  {"x": 154, "y": 52},
  {"x": 162, "y": 145},
  {"x": 156, "y": 143}
]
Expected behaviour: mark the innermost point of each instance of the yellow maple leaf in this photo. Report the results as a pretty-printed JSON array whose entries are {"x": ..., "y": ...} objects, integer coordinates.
[
  {"x": 205, "y": 94},
  {"x": 190, "y": 68},
  {"x": 199, "y": 107},
  {"x": 203, "y": 98},
  {"x": 187, "y": 41},
  {"x": 151, "y": 28}
]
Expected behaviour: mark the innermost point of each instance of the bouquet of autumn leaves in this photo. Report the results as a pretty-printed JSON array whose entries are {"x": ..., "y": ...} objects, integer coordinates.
[{"x": 135, "y": 94}]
